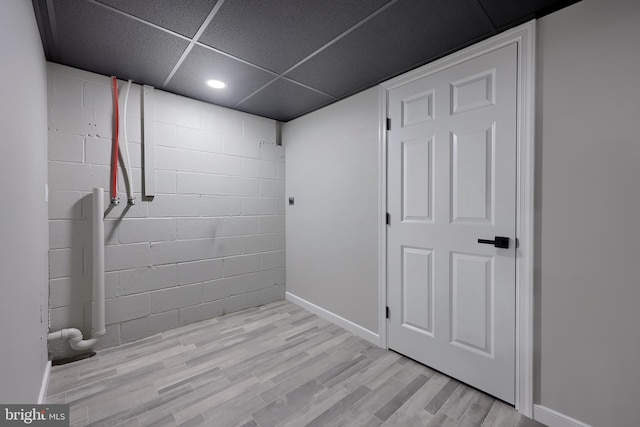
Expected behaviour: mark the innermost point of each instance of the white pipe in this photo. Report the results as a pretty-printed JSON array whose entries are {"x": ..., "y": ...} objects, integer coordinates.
[
  {"x": 129, "y": 172},
  {"x": 73, "y": 335},
  {"x": 75, "y": 338},
  {"x": 98, "y": 264}
]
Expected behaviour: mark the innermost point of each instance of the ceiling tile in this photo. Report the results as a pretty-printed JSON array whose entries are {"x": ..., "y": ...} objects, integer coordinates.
[
  {"x": 182, "y": 16},
  {"x": 506, "y": 13},
  {"x": 283, "y": 100},
  {"x": 92, "y": 38},
  {"x": 407, "y": 34},
  {"x": 276, "y": 34},
  {"x": 202, "y": 64}
]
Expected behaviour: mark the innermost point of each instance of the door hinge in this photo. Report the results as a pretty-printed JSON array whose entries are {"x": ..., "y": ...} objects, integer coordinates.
[
  {"x": 388, "y": 218},
  {"x": 388, "y": 312},
  {"x": 388, "y": 123}
]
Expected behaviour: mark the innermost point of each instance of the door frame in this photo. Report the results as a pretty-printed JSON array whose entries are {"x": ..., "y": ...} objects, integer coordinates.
[{"x": 524, "y": 37}]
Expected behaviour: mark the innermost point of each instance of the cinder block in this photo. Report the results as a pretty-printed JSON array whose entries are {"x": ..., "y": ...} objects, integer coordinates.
[
  {"x": 281, "y": 241},
  {"x": 166, "y": 182},
  {"x": 237, "y": 226},
  {"x": 66, "y": 91},
  {"x": 134, "y": 129},
  {"x": 98, "y": 151},
  {"x": 234, "y": 266},
  {"x": 172, "y": 205},
  {"x": 235, "y": 285},
  {"x": 165, "y": 106},
  {"x": 258, "y": 206},
  {"x": 273, "y": 260},
  {"x": 66, "y": 317},
  {"x": 281, "y": 171},
  {"x": 174, "y": 298},
  {"x": 146, "y": 279},
  {"x": 241, "y": 302},
  {"x": 68, "y": 234},
  {"x": 76, "y": 176},
  {"x": 279, "y": 276},
  {"x": 220, "y": 119},
  {"x": 198, "y": 139},
  {"x": 272, "y": 152},
  {"x": 111, "y": 284},
  {"x": 199, "y": 271},
  {"x": 66, "y": 148},
  {"x": 100, "y": 96},
  {"x": 146, "y": 230},
  {"x": 199, "y": 228},
  {"x": 125, "y": 308},
  {"x": 187, "y": 112},
  {"x": 192, "y": 183},
  {"x": 258, "y": 129},
  {"x": 252, "y": 168},
  {"x": 65, "y": 205},
  {"x": 69, "y": 291},
  {"x": 219, "y": 206},
  {"x": 110, "y": 232},
  {"x": 197, "y": 161},
  {"x": 258, "y": 243},
  {"x": 272, "y": 188},
  {"x": 110, "y": 339},
  {"x": 70, "y": 120},
  {"x": 236, "y": 186},
  {"x": 272, "y": 294},
  {"x": 77, "y": 73},
  {"x": 194, "y": 250},
  {"x": 176, "y": 109},
  {"x": 272, "y": 224},
  {"x": 241, "y": 147},
  {"x": 268, "y": 151},
  {"x": 65, "y": 263},
  {"x": 101, "y": 124},
  {"x": 124, "y": 257},
  {"x": 165, "y": 134},
  {"x": 147, "y": 326},
  {"x": 200, "y": 312},
  {"x": 123, "y": 210}
]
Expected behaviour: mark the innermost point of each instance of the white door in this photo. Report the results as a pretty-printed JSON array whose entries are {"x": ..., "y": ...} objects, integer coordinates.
[{"x": 452, "y": 181}]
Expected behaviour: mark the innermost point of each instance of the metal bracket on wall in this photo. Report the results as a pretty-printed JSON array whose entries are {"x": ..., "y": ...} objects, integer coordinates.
[{"x": 148, "y": 143}]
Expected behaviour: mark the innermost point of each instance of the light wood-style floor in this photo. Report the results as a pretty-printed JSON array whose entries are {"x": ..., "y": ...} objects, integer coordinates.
[{"x": 276, "y": 365}]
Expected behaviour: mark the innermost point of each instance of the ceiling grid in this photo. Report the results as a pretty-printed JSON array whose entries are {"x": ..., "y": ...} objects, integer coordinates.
[{"x": 279, "y": 58}]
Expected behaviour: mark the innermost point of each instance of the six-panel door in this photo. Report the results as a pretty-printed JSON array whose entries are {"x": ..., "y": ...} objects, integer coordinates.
[{"x": 452, "y": 181}]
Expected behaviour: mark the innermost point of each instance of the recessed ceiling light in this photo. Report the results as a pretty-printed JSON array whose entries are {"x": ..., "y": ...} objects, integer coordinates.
[{"x": 216, "y": 84}]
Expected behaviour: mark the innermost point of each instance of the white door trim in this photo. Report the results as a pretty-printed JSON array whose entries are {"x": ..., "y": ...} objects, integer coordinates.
[{"x": 524, "y": 36}]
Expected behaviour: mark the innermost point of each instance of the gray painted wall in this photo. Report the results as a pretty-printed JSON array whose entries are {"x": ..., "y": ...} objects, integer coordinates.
[
  {"x": 210, "y": 242},
  {"x": 588, "y": 136},
  {"x": 23, "y": 210},
  {"x": 588, "y": 202},
  {"x": 332, "y": 230}
]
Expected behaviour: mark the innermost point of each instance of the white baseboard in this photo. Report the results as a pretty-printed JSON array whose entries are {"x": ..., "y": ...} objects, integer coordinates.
[
  {"x": 334, "y": 318},
  {"x": 555, "y": 419},
  {"x": 45, "y": 383}
]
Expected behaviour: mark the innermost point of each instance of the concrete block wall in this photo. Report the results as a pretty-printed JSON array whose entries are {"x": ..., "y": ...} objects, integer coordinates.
[{"x": 210, "y": 242}]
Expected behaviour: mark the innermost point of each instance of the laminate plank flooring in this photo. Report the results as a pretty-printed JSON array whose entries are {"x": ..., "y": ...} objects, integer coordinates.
[{"x": 275, "y": 365}]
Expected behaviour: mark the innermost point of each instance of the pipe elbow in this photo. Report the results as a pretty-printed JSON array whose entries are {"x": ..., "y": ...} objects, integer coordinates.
[
  {"x": 74, "y": 336},
  {"x": 83, "y": 344}
]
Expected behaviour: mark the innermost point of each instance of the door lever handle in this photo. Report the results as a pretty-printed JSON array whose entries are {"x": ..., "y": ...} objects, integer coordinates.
[{"x": 499, "y": 242}]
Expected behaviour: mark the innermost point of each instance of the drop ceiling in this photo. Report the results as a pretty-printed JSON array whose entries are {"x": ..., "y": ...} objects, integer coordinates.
[{"x": 279, "y": 58}]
